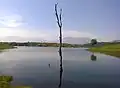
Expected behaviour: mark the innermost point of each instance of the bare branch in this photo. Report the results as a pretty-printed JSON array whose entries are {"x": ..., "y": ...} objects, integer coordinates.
[
  {"x": 56, "y": 13},
  {"x": 61, "y": 17}
]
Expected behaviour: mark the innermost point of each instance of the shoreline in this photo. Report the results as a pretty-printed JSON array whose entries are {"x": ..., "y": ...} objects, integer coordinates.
[
  {"x": 115, "y": 54},
  {"x": 112, "y": 50},
  {"x": 6, "y": 46}
]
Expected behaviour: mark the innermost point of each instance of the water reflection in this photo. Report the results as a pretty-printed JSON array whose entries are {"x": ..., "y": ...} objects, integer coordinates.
[
  {"x": 61, "y": 72},
  {"x": 49, "y": 65},
  {"x": 61, "y": 67},
  {"x": 93, "y": 57}
]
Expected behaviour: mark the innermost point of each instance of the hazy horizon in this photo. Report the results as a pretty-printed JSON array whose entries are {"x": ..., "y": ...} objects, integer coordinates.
[{"x": 34, "y": 20}]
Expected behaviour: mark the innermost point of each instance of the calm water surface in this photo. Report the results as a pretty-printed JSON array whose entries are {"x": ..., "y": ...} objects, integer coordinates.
[{"x": 40, "y": 68}]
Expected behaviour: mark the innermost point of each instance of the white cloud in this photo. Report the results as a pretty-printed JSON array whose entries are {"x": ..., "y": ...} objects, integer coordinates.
[
  {"x": 9, "y": 34},
  {"x": 26, "y": 34},
  {"x": 13, "y": 20},
  {"x": 74, "y": 33},
  {"x": 17, "y": 34}
]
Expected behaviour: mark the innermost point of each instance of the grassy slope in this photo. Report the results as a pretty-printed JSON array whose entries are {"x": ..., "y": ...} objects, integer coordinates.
[{"x": 110, "y": 49}]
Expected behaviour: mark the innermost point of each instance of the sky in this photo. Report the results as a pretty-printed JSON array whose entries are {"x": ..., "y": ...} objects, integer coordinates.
[{"x": 34, "y": 20}]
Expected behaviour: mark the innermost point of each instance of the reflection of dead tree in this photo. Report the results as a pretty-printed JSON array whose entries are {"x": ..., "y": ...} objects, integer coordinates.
[
  {"x": 61, "y": 71},
  {"x": 59, "y": 22}
]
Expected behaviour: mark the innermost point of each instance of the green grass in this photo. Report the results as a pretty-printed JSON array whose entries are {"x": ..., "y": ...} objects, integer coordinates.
[
  {"x": 110, "y": 49},
  {"x": 5, "y": 46},
  {"x": 5, "y": 82}
]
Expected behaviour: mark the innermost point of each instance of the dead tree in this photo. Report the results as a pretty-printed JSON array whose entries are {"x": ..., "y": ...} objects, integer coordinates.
[{"x": 59, "y": 22}]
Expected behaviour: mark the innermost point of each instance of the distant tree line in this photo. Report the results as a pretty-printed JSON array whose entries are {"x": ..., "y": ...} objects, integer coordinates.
[
  {"x": 39, "y": 44},
  {"x": 93, "y": 43}
]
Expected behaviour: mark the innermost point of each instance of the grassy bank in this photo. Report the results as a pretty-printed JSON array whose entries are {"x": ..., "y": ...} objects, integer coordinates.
[
  {"x": 5, "y": 82},
  {"x": 5, "y": 46},
  {"x": 110, "y": 49}
]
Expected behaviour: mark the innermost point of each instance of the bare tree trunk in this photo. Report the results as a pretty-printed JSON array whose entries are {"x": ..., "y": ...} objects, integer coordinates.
[
  {"x": 59, "y": 22},
  {"x": 60, "y": 47}
]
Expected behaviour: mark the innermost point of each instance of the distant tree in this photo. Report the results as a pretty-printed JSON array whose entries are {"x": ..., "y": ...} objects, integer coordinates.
[{"x": 93, "y": 42}]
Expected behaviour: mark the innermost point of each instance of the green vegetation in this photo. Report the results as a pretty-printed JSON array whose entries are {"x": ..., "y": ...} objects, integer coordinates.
[
  {"x": 44, "y": 44},
  {"x": 110, "y": 49},
  {"x": 5, "y": 46},
  {"x": 93, "y": 42},
  {"x": 5, "y": 82}
]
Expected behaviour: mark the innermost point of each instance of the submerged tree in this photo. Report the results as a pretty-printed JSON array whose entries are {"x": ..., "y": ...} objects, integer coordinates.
[
  {"x": 93, "y": 42},
  {"x": 59, "y": 22}
]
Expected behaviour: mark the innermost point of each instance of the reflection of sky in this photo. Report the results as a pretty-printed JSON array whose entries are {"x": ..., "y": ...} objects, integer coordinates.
[{"x": 32, "y": 68}]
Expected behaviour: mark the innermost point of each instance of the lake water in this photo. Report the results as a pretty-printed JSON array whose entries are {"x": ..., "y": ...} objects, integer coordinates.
[{"x": 40, "y": 67}]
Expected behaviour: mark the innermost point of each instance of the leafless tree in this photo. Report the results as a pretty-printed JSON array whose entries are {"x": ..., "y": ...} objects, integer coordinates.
[{"x": 59, "y": 22}]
